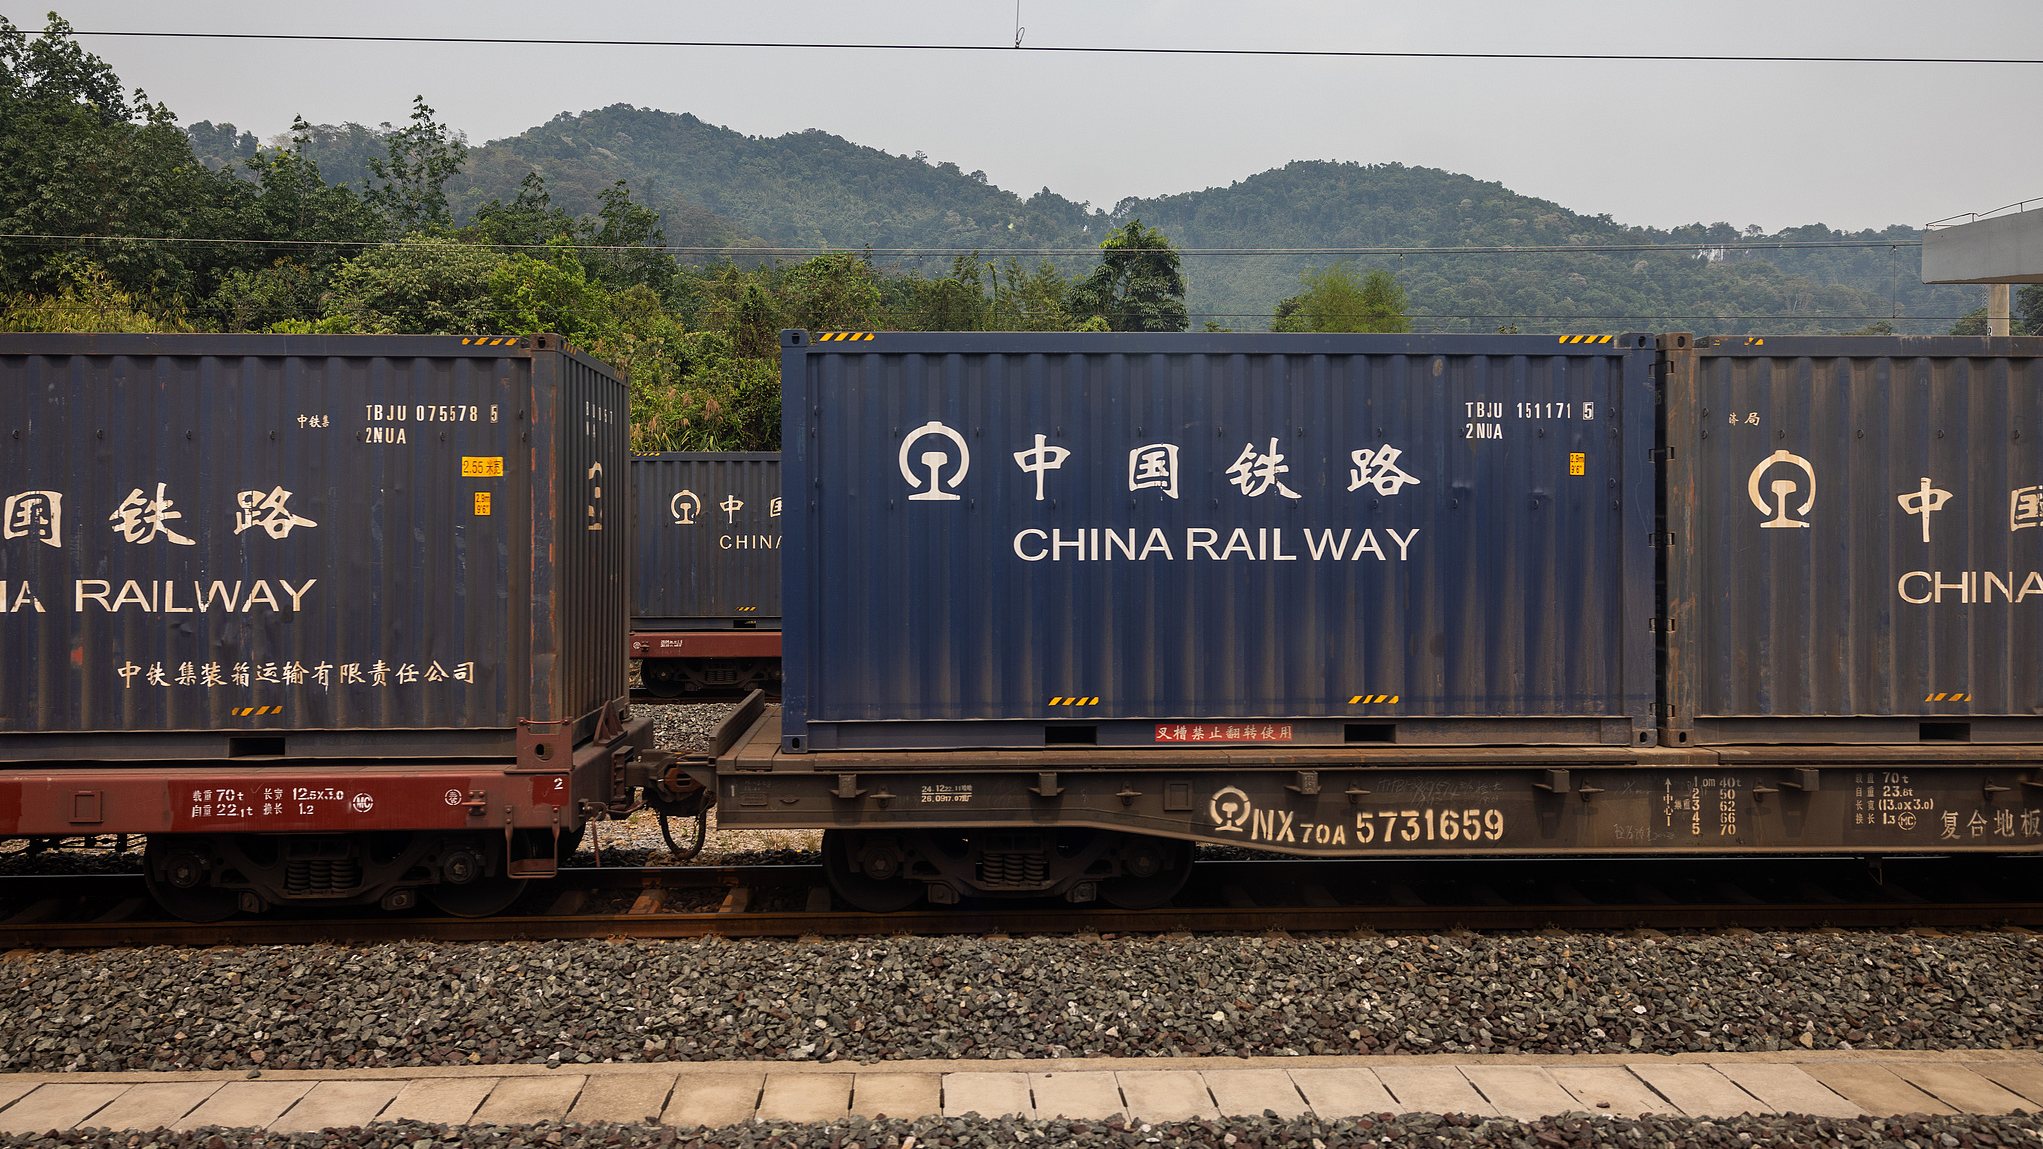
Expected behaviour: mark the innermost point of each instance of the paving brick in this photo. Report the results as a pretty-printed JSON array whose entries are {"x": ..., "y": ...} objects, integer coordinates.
[
  {"x": 805, "y": 1096},
  {"x": 2022, "y": 1078},
  {"x": 1698, "y": 1090},
  {"x": 1247, "y": 1092},
  {"x": 524, "y": 1100},
  {"x": 57, "y": 1107},
  {"x": 987, "y": 1094},
  {"x": 1334, "y": 1093},
  {"x": 1959, "y": 1087},
  {"x": 1610, "y": 1089},
  {"x": 11, "y": 1091},
  {"x": 908, "y": 1095},
  {"x": 1165, "y": 1095},
  {"x": 1088, "y": 1095},
  {"x": 338, "y": 1105},
  {"x": 1526, "y": 1092},
  {"x": 713, "y": 1099},
  {"x": 624, "y": 1097},
  {"x": 1432, "y": 1089},
  {"x": 440, "y": 1100},
  {"x": 245, "y": 1104},
  {"x": 1874, "y": 1089},
  {"x": 154, "y": 1104},
  {"x": 1786, "y": 1089}
]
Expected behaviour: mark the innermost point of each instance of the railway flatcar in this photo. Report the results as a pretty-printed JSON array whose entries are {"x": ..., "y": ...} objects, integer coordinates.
[
  {"x": 705, "y": 606},
  {"x": 333, "y": 620},
  {"x": 1059, "y": 607}
]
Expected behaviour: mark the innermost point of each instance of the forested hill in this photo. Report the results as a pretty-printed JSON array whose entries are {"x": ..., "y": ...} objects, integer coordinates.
[
  {"x": 806, "y": 189},
  {"x": 716, "y": 186}
]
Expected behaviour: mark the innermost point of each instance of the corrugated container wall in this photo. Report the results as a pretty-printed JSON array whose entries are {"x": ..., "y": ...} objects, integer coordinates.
[
  {"x": 252, "y": 534},
  {"x": 1008, "y": 539},
  {"x": 708, "y": 539},
  {"x": 1857, "y": 528}
]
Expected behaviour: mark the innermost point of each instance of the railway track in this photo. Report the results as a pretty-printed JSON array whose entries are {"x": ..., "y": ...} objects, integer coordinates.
[{"x": 112, "y": 910}]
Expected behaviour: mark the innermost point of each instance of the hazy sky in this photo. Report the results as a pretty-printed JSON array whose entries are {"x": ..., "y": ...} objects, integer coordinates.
[{"x": 1851, "y": 145}]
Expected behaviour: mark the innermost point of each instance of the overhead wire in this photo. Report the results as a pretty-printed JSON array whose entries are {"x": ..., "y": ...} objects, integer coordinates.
[
  {"x": 1098, "y": 49},
  {"x": 1683, "y": 247}
]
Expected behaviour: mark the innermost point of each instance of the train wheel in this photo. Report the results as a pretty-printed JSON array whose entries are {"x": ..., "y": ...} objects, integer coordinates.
[
  {"x": 184, "y": 888},
  {"x": 662, "y": 677},
  {"x": 874, "y": 895},
  {"x": 1156, "y": 869},
  {"x": 477, "y": 899}
]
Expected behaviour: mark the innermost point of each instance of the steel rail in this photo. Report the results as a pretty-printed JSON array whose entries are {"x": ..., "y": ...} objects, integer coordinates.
[
  {"x": 841, "y": 923},
  {"x": 1954, "y": 901}
]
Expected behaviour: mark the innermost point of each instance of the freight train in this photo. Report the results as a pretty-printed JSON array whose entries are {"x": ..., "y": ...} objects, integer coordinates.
[
  {"x": 705, "y": 603},
  {"x": 343, "y": 619}
]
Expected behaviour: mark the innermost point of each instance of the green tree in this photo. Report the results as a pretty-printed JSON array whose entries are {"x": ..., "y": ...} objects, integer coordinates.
[
  {"x": 413, "y": 173},
  {"x": 955, "y": 301},
  {"x": 552, "y": 293},
  {"x": 418, "y": 287},
  {"x": 530, "y": 219},
  {"x": 744, "y": 310},
  {"x": 1336, "y": 299},
  {"x": 627, "y": 245},
  {"x": 829, "y": 293},
  {"x": 79, "y": 158},
  {"x": 1030, "y": 300},
  {"x": 1136, "y": 287}
]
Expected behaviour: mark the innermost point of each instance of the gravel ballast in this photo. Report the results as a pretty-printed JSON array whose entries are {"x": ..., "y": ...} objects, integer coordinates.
[
  {"x": 1266, "y": 1132},
  {"x": 873, "y": 999}
]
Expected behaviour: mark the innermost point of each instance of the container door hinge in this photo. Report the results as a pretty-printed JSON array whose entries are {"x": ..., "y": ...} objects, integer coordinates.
[
  {"x": 1661, "y": 538},
  {"x": 847, "y": 787},
  {"x": 1046, "y": 786},
  {"x": 1355, "y": 795},
  {"x": 1990, "y": 789},
  {"x": 1127, "y": 794},
  {"x": 1660, "y": 625},
  {"x": 1803, "y": 779},
  {"x": 1555, "y": 781},
  {"x": 1660, "y": 454},
  {"x": 1307, "y": 783}
]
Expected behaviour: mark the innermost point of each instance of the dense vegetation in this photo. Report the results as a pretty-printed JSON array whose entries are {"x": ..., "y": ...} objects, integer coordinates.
[{"x": 572, "y": 227}]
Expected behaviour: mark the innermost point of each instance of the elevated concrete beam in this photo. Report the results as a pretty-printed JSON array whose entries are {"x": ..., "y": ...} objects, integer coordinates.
[{"x": 2005, "y": 249}]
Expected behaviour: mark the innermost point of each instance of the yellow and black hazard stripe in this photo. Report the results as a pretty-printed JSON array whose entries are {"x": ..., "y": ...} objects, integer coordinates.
[
  {"x": 842, "y": 336},
  {"x": 253, "y": 711},
  {"x": 1070, "y": 701},
  {"x": 1371, "y": 699},
  {"x": 1586, "y": 338},
  {"x": 1948, "y": 698},
  {"x": 486, "y": 341}
]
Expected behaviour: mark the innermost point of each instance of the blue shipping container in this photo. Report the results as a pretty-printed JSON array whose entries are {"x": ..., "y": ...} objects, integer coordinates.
[
  {"x": 1007, "y": 539},
  {"x": 1857, "y": 526},
  {"x": 708, "y": 552}
]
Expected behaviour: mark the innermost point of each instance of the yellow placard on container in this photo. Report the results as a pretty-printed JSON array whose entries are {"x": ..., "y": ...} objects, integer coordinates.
[
  {"x": 482, "y": 502},
  {"x": 1578, "y": 463},
  {"x": 482, "y": 467}
]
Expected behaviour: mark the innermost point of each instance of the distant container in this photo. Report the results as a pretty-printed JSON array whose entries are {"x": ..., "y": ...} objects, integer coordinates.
[
  {"x": 374, "y": 545},
  {"x": 708, "y": 552},
  {"x": 1856, "y": 529},
  {"x": 1155, "y": 540}
]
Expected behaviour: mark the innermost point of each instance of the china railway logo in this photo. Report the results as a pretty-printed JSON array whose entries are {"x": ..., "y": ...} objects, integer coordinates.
[
  {"x": 935, "y": 461},
  {"x": 1229, "y": 810},
  {"x": 453, "y": 797},
  {"x": 1781, "y": 488},
  {"x": 684, "y": 507}
]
